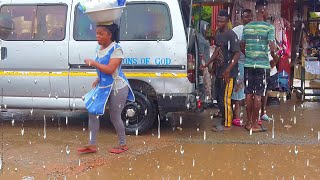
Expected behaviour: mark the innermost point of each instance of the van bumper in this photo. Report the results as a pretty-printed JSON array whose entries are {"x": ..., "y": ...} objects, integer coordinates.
[{"x": 177, "y": 103}]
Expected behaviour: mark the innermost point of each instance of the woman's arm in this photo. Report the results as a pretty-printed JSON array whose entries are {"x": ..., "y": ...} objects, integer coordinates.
[{"x": 107, "y": 69}]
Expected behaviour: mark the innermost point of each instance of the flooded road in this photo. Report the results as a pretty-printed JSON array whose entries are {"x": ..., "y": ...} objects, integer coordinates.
[{"x": 42, "y": 145}]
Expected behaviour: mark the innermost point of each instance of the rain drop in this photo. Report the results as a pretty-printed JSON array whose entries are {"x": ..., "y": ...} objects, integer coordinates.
[
  {"x": 67, "y": 150},
  {"x": 158, "y": 126},
  {"x": 9, "y": 81},
  {"x": 12, "y": 122},
  {"x": 44, "y": 127},
  {"x": 137, "y": 132},
  {"x": 0, "y": 162},
  {"x": 22, "y": 131},
  {"x": 307, "y": 162},
  {"x": 193, "y": 162},
  {"x": 250, "y": 131},
  {"x": 181, "y": 150},
  {"x": 180, "y": 120},
  {"x": 66, "y": 120},
  {"x": 296, "y": 151},
  {"x": 204, "y": 135}
]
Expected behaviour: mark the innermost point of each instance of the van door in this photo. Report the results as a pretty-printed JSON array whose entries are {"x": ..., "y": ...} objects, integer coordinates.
[
  {"x": 34, "y": 59},
  {"x": 82, "y": 45}
]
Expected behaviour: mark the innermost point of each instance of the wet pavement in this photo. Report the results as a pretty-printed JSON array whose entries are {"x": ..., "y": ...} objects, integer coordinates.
[{"x": 42, "y": 145}]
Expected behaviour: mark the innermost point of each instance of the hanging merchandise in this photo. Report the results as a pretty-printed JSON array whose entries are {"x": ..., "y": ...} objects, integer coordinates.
[{"x": 103, "y": 11}]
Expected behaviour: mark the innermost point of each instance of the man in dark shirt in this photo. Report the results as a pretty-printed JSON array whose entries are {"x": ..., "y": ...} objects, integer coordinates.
[{"x": 227, "y": 70}]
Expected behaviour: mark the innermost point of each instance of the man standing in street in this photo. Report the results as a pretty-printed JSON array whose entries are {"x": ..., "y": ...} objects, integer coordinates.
[
  {"x": 227, "y": 43},
  {"x": 238, "y": 92},
  {"x": 258, "y": 38}
]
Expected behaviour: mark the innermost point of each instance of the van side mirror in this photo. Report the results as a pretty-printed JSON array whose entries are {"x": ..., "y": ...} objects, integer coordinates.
[{"x": 191, "y": 33}]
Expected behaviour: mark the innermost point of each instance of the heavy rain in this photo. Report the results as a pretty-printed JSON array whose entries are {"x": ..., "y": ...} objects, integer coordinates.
[{"x": 160, "y": 89}]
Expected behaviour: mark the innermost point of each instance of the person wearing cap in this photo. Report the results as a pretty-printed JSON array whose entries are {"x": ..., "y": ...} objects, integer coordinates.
[{"x": 111, "y": 87}]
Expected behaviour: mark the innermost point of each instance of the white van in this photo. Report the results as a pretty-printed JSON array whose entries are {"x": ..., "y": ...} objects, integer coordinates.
[{"x": 44, "y": 44}]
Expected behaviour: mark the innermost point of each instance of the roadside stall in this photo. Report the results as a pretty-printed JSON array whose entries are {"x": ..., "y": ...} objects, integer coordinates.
[{"x": 307, "y": 69}]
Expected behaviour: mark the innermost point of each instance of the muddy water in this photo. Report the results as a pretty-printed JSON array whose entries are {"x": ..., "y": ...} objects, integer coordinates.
[
  {"x": 191, "y": 151},
  {"x": 203, "y": 161}
]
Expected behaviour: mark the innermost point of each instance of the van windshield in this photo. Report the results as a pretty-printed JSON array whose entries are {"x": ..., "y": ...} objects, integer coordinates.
[{"x": 139, "y": 21}]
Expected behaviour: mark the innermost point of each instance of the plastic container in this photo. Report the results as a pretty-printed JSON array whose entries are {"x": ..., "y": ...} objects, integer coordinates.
[
  {"x": 105, "y": 15},
  {"x": 97, "y": 5}
]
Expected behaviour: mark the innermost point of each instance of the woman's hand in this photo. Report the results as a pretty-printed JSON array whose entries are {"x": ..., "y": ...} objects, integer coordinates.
[
  {"x": 90, "y": 62},
  {"x": 96, "y": 83}
]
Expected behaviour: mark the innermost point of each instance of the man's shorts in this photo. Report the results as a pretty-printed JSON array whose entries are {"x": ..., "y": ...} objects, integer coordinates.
[{"x": 255, "y": 80}]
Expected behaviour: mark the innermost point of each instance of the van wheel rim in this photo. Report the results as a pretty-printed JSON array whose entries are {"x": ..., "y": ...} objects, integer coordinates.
[{"x": 132, "y": 114}]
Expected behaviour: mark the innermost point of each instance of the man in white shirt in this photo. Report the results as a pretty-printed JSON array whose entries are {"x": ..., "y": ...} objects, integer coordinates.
[{"x": 238, "y": 92}]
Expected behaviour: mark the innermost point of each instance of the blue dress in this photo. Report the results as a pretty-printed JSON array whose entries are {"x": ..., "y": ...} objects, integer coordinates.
[{"x": 96, "y": 99}]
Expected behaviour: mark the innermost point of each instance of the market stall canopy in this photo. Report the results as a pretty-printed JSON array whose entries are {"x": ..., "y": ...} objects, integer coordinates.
[{"x": 212, "y": 2}]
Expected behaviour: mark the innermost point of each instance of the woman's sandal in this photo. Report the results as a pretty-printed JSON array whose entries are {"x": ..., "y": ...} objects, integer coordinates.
[
  {"x": 86, "y": 149},
  {"x": 237, "y": 122},
  {"x": 119, "y": 149}
]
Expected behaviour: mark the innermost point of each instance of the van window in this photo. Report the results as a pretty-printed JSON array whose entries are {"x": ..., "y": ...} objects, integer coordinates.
[
  {"x": 139, "y": 21},
  {"x": 33, "y": 22}
]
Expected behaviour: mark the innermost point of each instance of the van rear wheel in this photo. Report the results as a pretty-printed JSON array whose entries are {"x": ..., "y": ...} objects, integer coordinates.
[{"x": 138, "y": 116}]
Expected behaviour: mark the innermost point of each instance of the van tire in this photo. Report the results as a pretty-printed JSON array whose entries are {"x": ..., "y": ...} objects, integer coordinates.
[{"x": 144, "y": 117}]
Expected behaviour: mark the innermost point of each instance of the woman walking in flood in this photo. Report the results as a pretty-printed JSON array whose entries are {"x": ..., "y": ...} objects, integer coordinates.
[{"x": 111, "y": 86}]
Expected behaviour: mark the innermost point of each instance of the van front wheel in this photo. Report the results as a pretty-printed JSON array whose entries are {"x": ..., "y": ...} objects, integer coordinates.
[{"x": 138, "y": 116}]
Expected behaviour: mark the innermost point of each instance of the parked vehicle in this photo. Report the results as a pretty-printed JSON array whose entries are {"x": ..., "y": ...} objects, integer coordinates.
[{"x": 44, "y": 44}]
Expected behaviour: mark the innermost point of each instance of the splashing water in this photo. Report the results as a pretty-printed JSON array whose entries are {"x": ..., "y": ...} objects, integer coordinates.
[
  {"x": 44, "y": 127},
  {"x": 28, "y": 178}
]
